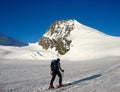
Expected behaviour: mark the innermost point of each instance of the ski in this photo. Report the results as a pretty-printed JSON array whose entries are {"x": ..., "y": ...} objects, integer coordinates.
[{"x": 57, "y": 87}]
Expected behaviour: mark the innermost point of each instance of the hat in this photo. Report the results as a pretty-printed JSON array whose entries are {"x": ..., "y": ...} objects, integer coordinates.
[{"x": 58, "y": 59}]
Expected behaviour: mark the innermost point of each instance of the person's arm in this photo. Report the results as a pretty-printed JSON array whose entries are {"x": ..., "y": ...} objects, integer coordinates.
[{"x": 60, "y": 67}]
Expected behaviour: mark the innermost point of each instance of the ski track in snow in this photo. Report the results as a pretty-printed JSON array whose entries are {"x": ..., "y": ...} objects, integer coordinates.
[{"x": 100, "y": 75}]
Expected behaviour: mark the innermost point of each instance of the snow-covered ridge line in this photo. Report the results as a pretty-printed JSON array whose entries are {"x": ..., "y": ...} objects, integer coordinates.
[
  {"x": 8, "y": 41},
  {"x": 70, "y": 37}
]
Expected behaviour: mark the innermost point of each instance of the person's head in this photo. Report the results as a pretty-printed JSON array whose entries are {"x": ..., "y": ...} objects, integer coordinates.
[{"x": 58, "y": 60}]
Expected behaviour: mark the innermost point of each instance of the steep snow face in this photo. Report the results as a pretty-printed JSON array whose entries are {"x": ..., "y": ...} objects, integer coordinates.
[
  {"x": 8, "y": 41},
  {"x": 75, "y": 41},
  {"x": 89, "y": 43}
]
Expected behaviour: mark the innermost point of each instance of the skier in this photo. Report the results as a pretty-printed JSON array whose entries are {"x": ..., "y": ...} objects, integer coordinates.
[{"x": 55, "y": 70}]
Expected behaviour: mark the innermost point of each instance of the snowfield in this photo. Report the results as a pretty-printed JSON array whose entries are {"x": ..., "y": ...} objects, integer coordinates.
[{"x": 98, "y": 75}]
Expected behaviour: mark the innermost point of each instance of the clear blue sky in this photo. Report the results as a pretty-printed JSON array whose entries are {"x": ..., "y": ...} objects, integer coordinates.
[{"x": 27, "y": 20}]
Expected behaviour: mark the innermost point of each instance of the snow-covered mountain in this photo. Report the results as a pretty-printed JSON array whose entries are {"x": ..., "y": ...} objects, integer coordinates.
[
  {"x": 73, "y": 40},
  {"x": 67, "y": 39},
  {"x": 8, "y": 41}
]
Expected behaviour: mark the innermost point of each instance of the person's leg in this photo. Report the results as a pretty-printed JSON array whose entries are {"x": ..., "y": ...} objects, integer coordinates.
[
  {"x": 60, "y": 79},
  {"x": 52, "y": 79}
]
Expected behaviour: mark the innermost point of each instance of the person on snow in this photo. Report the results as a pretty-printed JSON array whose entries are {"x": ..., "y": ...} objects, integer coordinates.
[{"x": 55, "y": 70}]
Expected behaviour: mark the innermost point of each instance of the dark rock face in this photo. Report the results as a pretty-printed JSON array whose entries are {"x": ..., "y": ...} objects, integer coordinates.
[{"x": 57, "y": 36}]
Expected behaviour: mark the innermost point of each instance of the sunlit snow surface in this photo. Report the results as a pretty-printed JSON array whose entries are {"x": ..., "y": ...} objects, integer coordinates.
[{"x": 99, "y": 75}]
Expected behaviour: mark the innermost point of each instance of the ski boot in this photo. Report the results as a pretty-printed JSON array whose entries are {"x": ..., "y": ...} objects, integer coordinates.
[
  {"x": 60, "y": 85},
  {"x": 51, "y": 87}
]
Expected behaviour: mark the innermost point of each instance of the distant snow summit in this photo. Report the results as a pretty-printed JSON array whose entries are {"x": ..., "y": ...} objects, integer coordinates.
[{"x": 69, "y": 37}]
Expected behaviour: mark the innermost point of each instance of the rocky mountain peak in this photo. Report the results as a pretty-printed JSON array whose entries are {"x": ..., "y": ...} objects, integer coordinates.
[{"x": 57, "y": 36}]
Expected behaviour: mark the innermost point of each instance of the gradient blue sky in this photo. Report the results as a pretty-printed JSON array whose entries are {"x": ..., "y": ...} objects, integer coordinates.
[{"x": 27, "y": 20}]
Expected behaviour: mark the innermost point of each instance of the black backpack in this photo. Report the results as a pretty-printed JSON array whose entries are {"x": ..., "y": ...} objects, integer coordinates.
[{"x": 54, "y": 65}]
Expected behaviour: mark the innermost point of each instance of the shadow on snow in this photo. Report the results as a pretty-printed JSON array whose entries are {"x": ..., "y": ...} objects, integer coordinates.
[{"x": 84, "y": 79}]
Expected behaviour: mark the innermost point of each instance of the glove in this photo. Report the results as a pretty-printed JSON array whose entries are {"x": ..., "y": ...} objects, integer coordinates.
[
  {"x": 52, "y": 73},
  {"x": 62, "y": 70}
]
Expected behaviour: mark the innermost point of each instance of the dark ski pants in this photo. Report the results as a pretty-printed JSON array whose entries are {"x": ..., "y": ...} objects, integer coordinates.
[{"x": 53, "y": 77}]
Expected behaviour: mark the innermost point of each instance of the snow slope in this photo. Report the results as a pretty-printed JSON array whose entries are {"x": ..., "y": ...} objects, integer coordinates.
[
  {"x": 31, "y": 52},
  {"x": 91, "y": 43},
  {"x": 98, "y": 75}
]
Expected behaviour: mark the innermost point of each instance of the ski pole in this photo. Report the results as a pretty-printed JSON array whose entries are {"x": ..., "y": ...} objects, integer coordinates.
[{"x": 62, "y": 74}]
